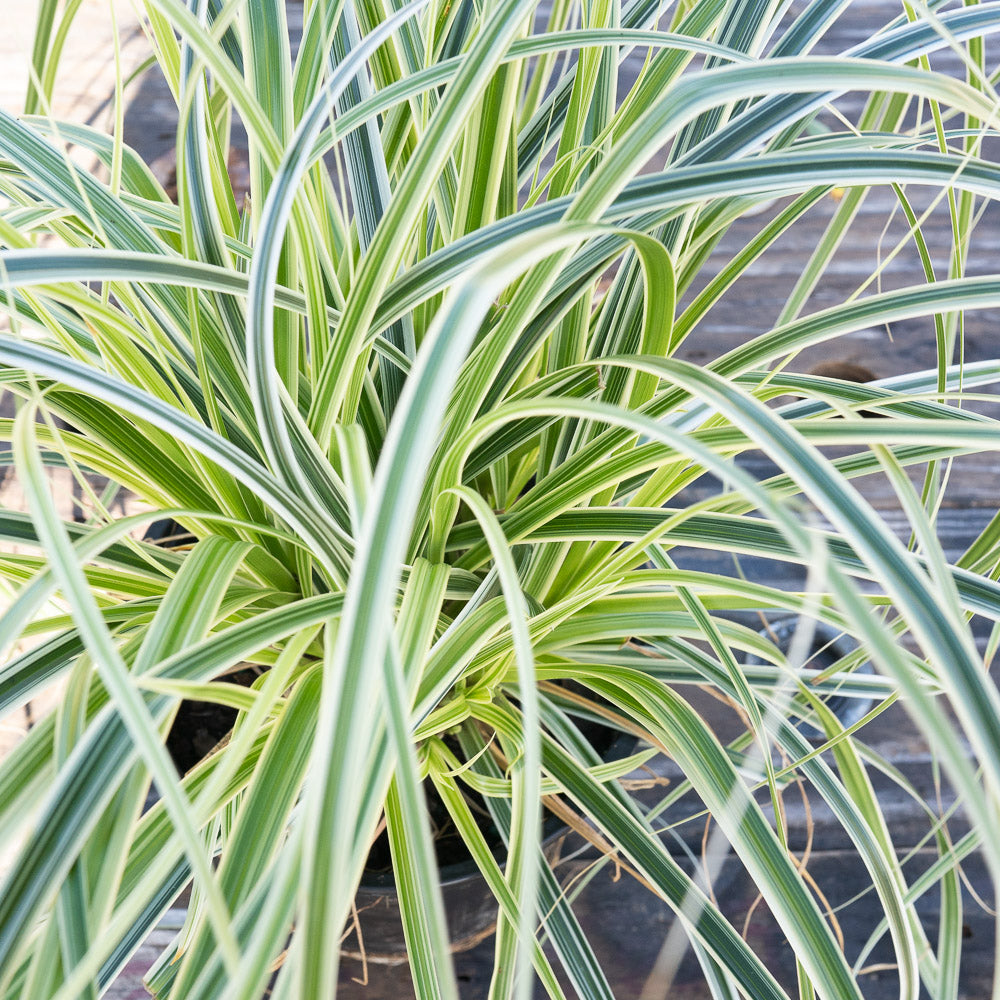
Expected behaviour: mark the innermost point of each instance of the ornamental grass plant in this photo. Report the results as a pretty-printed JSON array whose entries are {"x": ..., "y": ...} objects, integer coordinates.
[{"x": 420, "y": 404}]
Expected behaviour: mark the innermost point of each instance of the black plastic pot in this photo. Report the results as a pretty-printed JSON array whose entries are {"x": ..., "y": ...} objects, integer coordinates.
[
  {"x": 470, "y": 907},
  {"x": 167, "y": 533}
]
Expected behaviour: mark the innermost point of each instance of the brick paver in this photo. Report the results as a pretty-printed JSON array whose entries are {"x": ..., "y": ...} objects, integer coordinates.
[{"x": 87, "y": 67}]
